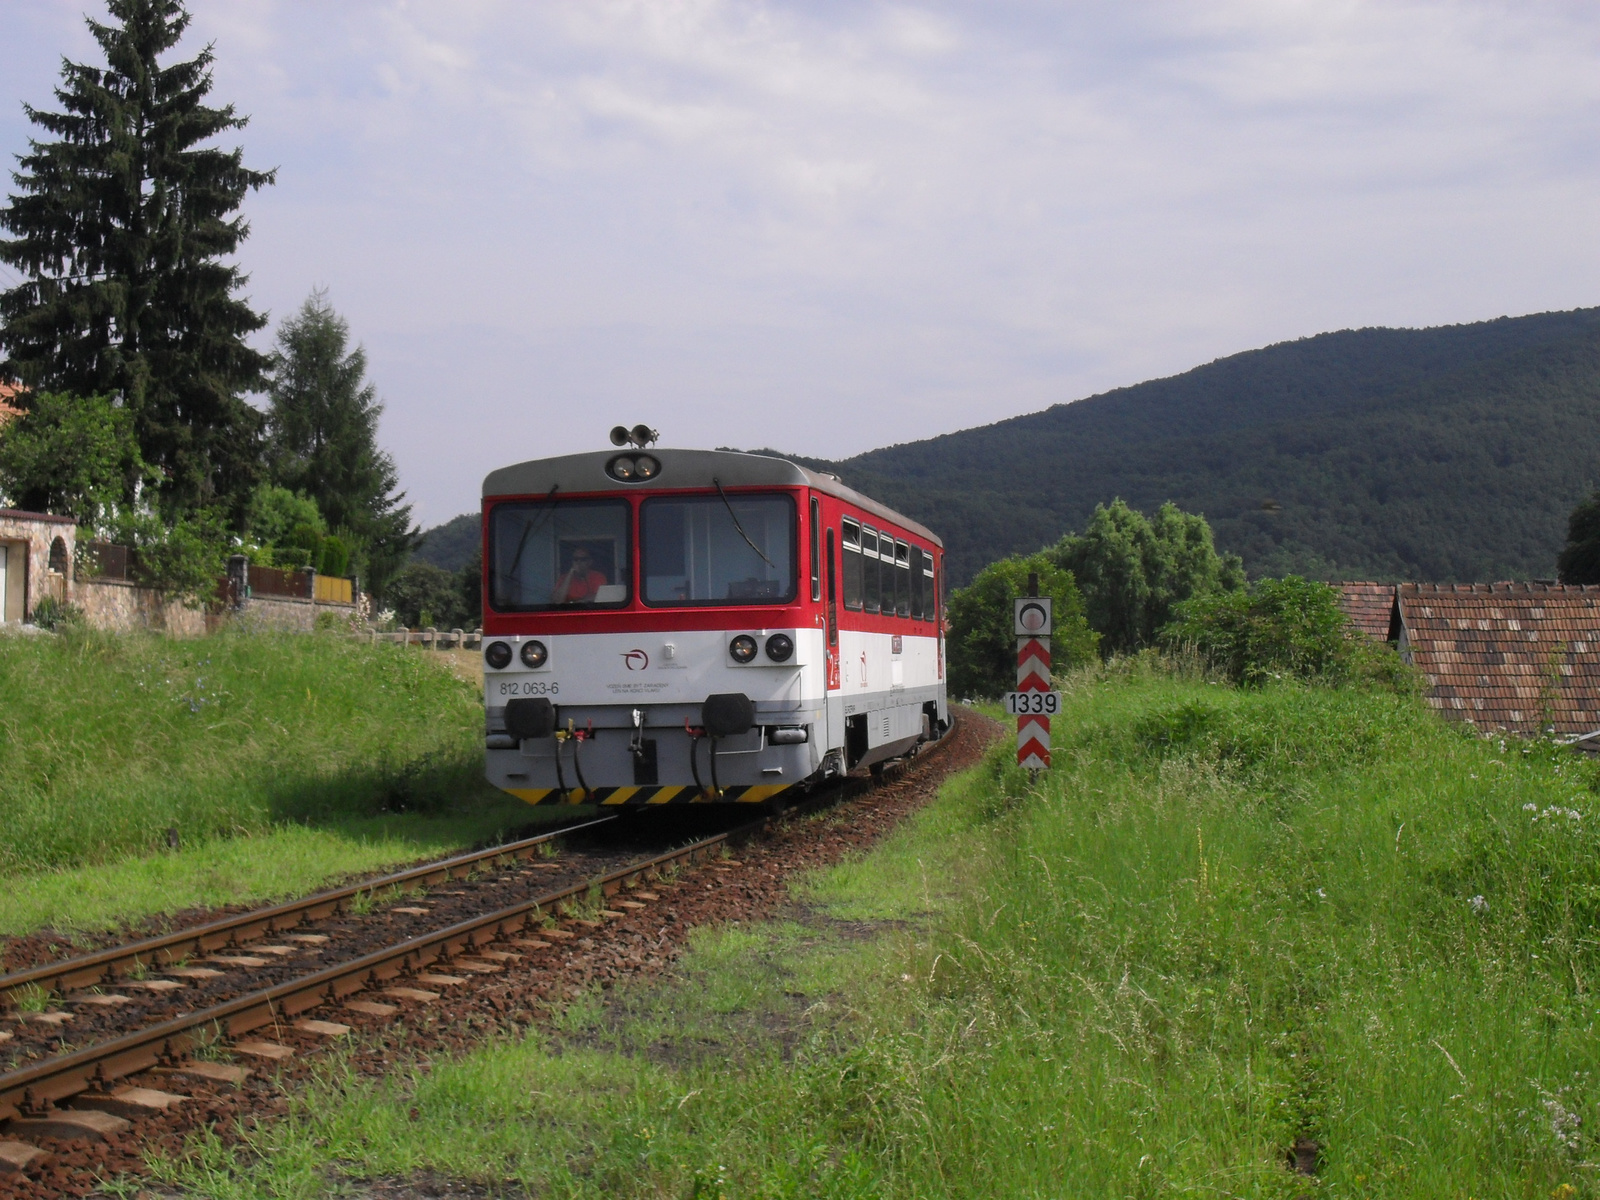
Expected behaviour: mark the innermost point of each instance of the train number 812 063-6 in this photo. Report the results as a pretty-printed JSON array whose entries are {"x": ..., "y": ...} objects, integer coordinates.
[{"x": 529, "y": 687}]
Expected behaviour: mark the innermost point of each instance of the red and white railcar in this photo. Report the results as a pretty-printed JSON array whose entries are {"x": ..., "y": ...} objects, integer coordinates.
[{"x": 670, "y": 626}]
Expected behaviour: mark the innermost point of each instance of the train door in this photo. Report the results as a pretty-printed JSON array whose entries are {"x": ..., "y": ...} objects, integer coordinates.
[{"x": 833, "y": 615}]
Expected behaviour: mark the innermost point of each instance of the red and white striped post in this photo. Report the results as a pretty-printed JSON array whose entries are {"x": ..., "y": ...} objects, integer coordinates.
[{"x": 1033, "y": 628}]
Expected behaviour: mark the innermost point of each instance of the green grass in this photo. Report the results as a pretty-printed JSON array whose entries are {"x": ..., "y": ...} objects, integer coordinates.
[
  {"x": 280, "y": 761},
  {"x": 1226, "y": 920},
  {"x": 286, "y": 861}
]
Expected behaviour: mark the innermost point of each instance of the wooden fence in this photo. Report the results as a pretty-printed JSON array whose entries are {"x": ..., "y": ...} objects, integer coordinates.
[
  {"x": 427, "y": 639},
  {"x": 334, "y": 589}
]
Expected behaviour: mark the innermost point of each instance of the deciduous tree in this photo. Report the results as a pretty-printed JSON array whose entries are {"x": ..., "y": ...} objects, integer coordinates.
[
  {"x": 424, "y": 595},
  {"x": 983, "y": 641},
  {"x": 1133, "y": 571},
  {"x": 1579, "y": 561},
  {"x": 73, "y": 457},
  {"x": 1281, "y": 628}
]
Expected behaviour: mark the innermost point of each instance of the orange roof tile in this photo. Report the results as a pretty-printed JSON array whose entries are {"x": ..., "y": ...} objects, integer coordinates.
[
  {"x": 8, "y": 393},
  {"x": 1370, "y": 607},
  {"x": 1519, "y": 657}
]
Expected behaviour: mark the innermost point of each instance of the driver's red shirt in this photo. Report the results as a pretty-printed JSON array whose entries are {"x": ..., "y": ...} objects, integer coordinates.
[{"x": 581, "y": 587}]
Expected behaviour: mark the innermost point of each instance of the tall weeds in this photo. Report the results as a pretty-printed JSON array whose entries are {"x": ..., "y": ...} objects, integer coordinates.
[{"x": 108, "y": 742}]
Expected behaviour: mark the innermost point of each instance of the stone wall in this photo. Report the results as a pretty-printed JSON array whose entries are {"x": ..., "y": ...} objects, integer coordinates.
[
  {"x": 122, "y": 607},
  {"x": 287, "y": 612}
]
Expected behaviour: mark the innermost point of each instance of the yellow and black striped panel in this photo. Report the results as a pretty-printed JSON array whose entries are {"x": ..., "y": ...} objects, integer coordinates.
[{"x": 650, "y": 795}]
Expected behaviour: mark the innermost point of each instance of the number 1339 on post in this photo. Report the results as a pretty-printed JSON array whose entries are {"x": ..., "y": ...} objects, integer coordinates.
[{"x": 1033, "y": 704}]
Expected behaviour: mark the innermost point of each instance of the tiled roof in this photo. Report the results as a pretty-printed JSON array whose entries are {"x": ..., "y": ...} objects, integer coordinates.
[
  {"x": 22, "y": 514},
  {"x": 1518, "y": 657},
  {"x": 1370, "y": 606},
  {"x": 8, "y": 393}
]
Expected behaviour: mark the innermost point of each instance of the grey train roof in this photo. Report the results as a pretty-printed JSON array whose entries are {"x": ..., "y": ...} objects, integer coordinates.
[{"x": 681, "y": 469}]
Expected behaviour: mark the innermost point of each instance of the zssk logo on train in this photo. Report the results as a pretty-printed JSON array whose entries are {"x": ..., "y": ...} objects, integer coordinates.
[{"x": 635, "y": 660}]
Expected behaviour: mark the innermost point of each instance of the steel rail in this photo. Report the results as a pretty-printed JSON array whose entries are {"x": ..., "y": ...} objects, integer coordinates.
[
  {"x": 103, "y": 967},
  {"x": 34, "y": 1088}
]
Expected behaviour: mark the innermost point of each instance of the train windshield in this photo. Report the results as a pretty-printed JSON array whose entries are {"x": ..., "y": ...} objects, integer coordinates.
[
  {"x": 558, "y": 554},
  {"x": 718, "y": 550}
]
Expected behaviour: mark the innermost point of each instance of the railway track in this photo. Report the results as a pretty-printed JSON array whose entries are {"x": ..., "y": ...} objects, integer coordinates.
[
  {"x": 108, "y": 967},
  {"x": 245, "y": 985}
]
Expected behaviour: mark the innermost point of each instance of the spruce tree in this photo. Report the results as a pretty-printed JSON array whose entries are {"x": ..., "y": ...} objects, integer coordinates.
[
  {"x": 323, "y": 439},
  {"x": 123, "y": 223}
]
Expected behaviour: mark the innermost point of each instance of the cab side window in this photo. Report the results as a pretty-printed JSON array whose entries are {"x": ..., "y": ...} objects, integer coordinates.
[
  {"x": 816, "y": 549},
  {"x": 852, "y": 564}
]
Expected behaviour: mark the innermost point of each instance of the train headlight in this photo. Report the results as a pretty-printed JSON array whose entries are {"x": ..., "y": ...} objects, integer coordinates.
[
  {"x": 534, "y": 654},
  {"x": 497, "y": 655},
  {"x": 633, "y": 468},
  {"x": 780, "y": 647},
  {"x": 743, "y": 648}
]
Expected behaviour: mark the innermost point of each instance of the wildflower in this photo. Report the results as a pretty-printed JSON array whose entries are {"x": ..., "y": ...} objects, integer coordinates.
[
  {"x": 1564, "y": 1123},
  {"x": 1530, "y": 808},
  {"x": 1322, "y": 893},
  {"x": 1479, "y": 904}
]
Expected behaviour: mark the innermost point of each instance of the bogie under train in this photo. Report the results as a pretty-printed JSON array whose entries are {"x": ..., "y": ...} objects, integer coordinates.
[{"x": 676, "y": 626}]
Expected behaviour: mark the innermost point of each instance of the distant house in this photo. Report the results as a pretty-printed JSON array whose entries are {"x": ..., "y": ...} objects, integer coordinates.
[
  {"x": 1370, "y": 607},
  {"x": 1513, "y": 657},
  {"x": 36, "y": 552}
]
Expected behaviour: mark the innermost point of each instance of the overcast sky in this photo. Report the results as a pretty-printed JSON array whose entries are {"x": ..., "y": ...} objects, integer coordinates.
[{"x": 829, "y": 227}]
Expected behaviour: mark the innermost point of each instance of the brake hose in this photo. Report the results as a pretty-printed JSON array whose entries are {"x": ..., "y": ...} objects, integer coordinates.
[
  {"x": 578, "y": 739},
  {"x": 561, "y": 778},
  {"x": 695, "y": 734}
]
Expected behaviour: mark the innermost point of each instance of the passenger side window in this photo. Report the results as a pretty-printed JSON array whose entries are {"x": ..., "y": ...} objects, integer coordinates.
[
  {"x": 852, "y": 564},
  {"x": 902, "y": 579},
  {"x": 869, "y": 560},
  {"x": 928, "y": 601},
  {"x": 916, "y": 583}
]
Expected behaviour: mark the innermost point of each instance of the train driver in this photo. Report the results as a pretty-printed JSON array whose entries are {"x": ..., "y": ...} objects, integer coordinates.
[{"x": 578, "y": 585}]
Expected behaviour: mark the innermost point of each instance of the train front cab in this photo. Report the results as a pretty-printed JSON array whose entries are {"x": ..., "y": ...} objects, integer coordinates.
[{"x": 742, "y": 639}]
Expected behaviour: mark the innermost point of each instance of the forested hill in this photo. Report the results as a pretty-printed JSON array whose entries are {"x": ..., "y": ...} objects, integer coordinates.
[
  {"x": 451, "y": 544},
  {"x": 1449, "y": 454}
]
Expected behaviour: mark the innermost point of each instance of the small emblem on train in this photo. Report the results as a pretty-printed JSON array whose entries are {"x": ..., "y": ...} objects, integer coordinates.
[{"x": 635, "y": 660}]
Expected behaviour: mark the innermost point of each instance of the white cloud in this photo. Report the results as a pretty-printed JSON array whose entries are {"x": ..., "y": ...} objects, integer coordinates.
[{"x": 828, "y": 226}]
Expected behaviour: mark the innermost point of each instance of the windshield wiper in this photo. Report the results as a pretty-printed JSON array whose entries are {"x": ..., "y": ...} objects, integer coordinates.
[
  {"x": 528, "y": 530},
  {"x": 739, "y": 527}
]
